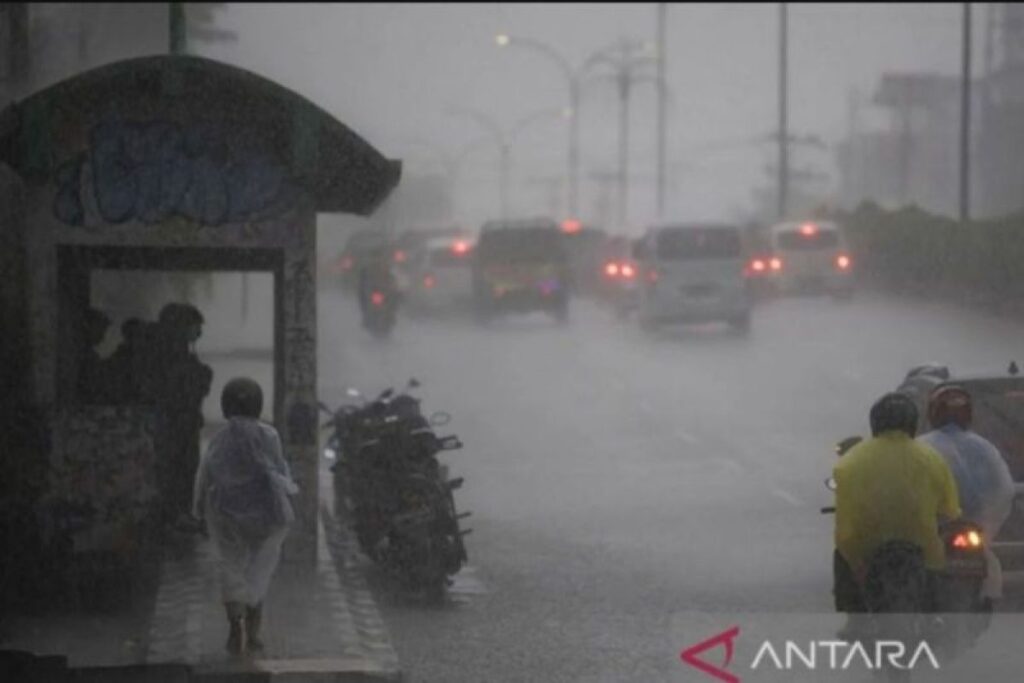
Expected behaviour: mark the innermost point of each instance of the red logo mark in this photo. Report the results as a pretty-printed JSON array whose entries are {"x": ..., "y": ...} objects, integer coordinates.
[{"x": 689, "y": 655}]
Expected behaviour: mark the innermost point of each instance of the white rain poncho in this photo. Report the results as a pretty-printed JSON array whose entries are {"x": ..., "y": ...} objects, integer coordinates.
[
  {"x": 241, "y": 489},
  {"x": 985, "y": 485}
]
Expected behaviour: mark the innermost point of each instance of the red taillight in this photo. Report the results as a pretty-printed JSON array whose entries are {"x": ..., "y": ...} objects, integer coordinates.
[
  {"x": 628, "y": 271},
  {"x": 843, "y": 262},
  {"x": 612, "y": 269},
  {"x": 429, "y": 281},
  {"x": 571, "y": 226},
  {"x": 808, "y": 229},
  {"x": 460, "y": 247},
  {"x": 967, "y": 539},
  {"x": 756, "y": 266},
  {"x": 400, "y": 256},
  {"x": 775, "y": 264},
  {"x": 377, "y": 298}
]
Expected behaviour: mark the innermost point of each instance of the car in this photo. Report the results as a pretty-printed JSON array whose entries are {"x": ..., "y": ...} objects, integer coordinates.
[
  {"x": 442, "y": 278},
  {"x": 809, "y": 257},
  {"x": 584, "y": 245},
  {"x": 357, "y": 248},
  {"x": 521, "y": 266},
  {"x": 410, "y": 251},
  {"x": 618, "y": 288},
  {"x": 998, "y": 400},
  {"x": 693, "y": 273}
]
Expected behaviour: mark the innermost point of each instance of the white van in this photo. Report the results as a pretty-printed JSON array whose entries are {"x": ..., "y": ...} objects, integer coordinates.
[
  {"x": 809, "y": 256},
  {"x": 441, "y": 276},
  {"x": 693, "y": 273}
]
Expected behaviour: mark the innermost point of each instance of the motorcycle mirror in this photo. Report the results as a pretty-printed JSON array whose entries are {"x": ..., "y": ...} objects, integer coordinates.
[
  {"x": 414, "y": 383},
  {"x": 386, "y": 394},
  {"x": 846, "y": 444},
  {"x": 440, "y": 419},
  {"x": 830, "y": 484}
]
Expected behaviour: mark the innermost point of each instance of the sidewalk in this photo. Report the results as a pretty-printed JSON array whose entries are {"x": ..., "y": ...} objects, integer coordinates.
[{"x": 319, "y": 625}]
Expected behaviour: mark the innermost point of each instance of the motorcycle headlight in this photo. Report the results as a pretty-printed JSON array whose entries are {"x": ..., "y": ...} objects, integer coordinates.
[{"x": 330, "y": 454}]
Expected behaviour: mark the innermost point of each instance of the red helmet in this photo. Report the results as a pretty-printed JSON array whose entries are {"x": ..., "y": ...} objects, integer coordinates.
[{"x": 950, "y": 403}]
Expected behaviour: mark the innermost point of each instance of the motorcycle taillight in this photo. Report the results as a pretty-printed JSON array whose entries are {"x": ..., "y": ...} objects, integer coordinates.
[{"x": 967, "y": 540}]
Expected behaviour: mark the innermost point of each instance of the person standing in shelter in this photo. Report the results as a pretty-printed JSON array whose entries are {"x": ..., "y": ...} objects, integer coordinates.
[
  {"x": 92, "y": 369},
  {"x": 182, "y": 384}
]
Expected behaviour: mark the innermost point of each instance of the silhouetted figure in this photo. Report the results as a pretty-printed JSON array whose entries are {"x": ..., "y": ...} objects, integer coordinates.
[
  {"x": 182, "y": 384},
  {"x": 125, "y": 365},
  {"x": 93, "y": 382}
]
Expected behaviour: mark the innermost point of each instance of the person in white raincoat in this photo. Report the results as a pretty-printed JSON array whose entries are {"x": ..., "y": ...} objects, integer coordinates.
[
  {"x": 983, "y": 478},
  {"x": 242, "y": 490}
]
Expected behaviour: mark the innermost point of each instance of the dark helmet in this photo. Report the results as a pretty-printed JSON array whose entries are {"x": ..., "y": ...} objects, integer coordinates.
[
  {"x": 950, "y": 403},
  {"x": 894, "y": 411},
  {"x": 242, "y": 397}
]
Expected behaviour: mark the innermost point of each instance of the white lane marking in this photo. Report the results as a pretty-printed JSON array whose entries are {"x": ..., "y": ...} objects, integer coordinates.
[{"x": 786, "y": 496}]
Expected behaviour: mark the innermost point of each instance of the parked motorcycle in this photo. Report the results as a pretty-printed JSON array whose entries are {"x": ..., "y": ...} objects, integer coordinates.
[
  {"x": 391, "y": 488},
  {"x": 899, "y": 601}
]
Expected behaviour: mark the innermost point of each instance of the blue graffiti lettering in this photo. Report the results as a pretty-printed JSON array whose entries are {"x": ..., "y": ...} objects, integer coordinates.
[{"x": 150, "y": 172}]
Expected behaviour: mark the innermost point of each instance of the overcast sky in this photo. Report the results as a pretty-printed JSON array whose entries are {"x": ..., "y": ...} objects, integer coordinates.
[{"x": 390, "y": 71}]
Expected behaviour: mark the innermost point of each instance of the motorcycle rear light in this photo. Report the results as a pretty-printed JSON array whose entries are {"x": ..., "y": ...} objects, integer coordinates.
[
  {"x": 843, "y": 262},
  {"x": 460, "y": 247},
  {"x": 400, "y": 256},
  {"x": 775, "y": 264},
  {"x": 967, "y": 539},
  {"x": 429, "y": 281},
  {"x": 612, "y": 269},
  {"x": 377, "y": 298}
]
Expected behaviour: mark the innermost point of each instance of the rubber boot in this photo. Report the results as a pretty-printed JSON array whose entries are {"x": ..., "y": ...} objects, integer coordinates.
[
  {"x": 253, "y": 619},
  {"x": 236, "y": 621}
]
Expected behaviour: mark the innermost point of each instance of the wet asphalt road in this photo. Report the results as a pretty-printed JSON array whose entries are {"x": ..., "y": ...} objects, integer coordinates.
[{"x": 617, "y": 478}]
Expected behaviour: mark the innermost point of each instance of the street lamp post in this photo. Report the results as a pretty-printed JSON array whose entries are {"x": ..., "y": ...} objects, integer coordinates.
[
  {"x": 504, "y": 139},
  {"x": 572, "y": 77}
]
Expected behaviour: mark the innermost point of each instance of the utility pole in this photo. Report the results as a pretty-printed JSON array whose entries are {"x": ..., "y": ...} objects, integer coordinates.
[
  {"x": 624, "y": 86},
  {"x": 18, "y": 55},
  {"x": 783, "y": 127},
  {"x": 965, "y": 118},
  {"x": 177, "y": 27},
  {"x": 662, "y": 121}
]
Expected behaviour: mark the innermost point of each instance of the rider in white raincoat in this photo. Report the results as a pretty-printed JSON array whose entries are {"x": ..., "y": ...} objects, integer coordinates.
[
  {"x": 241, "y": 490},
  {"x": 983, "y": 479}
]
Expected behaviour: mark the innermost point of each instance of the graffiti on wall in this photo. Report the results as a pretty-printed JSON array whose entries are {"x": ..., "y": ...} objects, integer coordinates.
[{"x": 152, "y": 172}]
